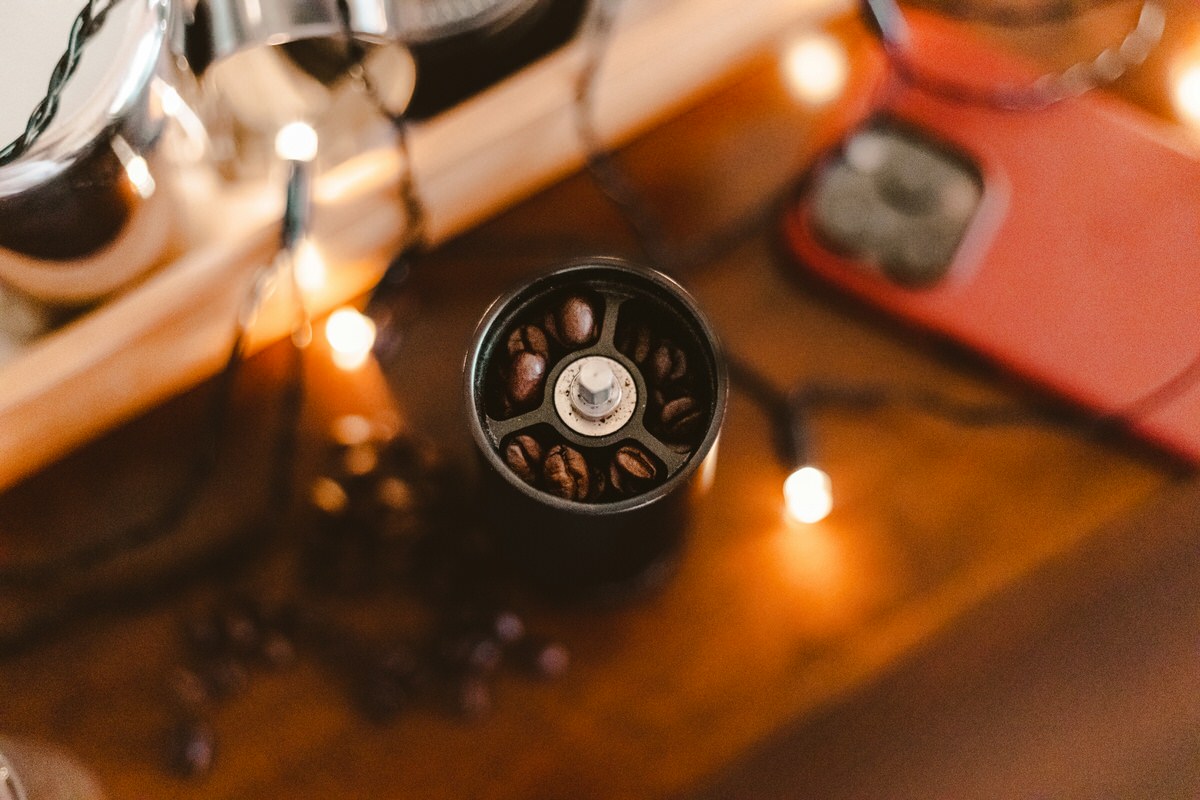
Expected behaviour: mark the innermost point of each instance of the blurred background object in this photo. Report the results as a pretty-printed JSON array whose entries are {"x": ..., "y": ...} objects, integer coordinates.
[
  {"x": 87, "y": 202},
  {"x": 37, "y": 771}
]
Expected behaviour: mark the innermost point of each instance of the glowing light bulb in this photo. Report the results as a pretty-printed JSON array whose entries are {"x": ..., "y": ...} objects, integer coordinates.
[
  {"x": 136, "y": 168},
  {"x": 172, "y": 102},
  {"x": 138, "y": 172},
  {"x": 311, "y": 274},
  {"x": 808, "y": 495},
  {"x": 351, "y": 337},
  {"x": 296, "y": 141},
  {"x": 815, "y": 68},
  {"x": 1186, "y": 94}
]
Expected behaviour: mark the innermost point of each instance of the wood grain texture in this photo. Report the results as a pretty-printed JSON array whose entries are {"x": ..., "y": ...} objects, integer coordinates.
[
  {"x": 1076, "y": 682},
  {"x": 763, "y": 624}
]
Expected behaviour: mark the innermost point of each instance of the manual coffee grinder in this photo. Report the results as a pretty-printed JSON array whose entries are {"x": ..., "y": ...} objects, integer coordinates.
[{"x": 595, "y": 395}]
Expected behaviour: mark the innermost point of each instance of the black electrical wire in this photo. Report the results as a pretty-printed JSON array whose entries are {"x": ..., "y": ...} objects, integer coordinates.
[
  {"x": 790, "y": 412},
  {"x": 886, "y": 20},
  {"x": 416, "y": 215},
  {"x": 87, "y": 23},
  {"x": 601, "y": 163},
  {"x": 1010, "y": 16},
  {"x": 614, "y": 182},
  {"x": 788, "y": 421},
  {"x": 791, "y": 437}
]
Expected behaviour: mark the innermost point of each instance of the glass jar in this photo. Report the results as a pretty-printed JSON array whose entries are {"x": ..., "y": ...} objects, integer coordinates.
[{"x": 86, "y": 209}]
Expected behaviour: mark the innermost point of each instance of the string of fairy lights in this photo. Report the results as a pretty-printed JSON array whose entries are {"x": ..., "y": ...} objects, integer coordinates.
[{"x": 816, "y": 68}]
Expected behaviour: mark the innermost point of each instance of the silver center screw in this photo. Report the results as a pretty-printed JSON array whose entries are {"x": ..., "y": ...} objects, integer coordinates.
[{"x": 596, "y": 391}]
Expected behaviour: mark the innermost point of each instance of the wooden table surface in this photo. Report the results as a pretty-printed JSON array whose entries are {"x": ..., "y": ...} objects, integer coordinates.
[{"x": 954, "y": 557}]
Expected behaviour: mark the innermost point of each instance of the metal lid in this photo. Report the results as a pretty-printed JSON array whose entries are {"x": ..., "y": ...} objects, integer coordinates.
[
  {"x": 234, "y": 25},
  {"x": 115, "y": 69},
  {"x": 429, "y": 20}
]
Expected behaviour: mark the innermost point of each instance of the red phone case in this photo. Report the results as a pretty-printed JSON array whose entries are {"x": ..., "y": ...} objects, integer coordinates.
[{"x": 1080, "y": 268}]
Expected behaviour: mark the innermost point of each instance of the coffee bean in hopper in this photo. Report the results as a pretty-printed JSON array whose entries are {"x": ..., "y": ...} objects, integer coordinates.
[
  {"x": 566, "y": 473},
  {"x": 572, "y": 323},
  {"x": 681, "y": 419},
  {"x": 523, "y": 455},
  {"x": 631, "y": 470},
  {"x": 528, "y": 339},
  {"x": 634, "y": 340},
  {"x": 668, "y": 364},
  {"x": 526, "y": 376}
]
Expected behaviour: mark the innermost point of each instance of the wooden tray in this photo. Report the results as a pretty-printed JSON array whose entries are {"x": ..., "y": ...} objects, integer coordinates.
[{"x": 498, "y": 147}]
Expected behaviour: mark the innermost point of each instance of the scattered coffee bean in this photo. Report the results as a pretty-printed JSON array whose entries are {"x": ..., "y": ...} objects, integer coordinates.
[
  {"x": 188, "y": 689},
  {"x": 566, "y": 473},
  {"x": 400, "y": 663},
  {"x": 547, "y": 660},
  {"x": 528, "y": 339},
  {"x": 485, "y": 656},
  {"x": 277, "y": 651},
  {"x": 408, "y": 482},
  {"x": 683, "y": 447},
  {"x": 203, "y": 635},
  {"x": 304, "y": 623},
  {"x": 526, "y": 375},
  {"x": 523, "y": 455},
  {"x": 469, "y": 651},
  {"x": 241, "y": 623},
  {"x": 473, "y": 698},
  {"x": 225, "y": 677},
  {"x": 632, "y": 470},
  {"x": 192, "y": 748},
  {"x": 681, "y": 418},
  {"x": 668, "y": 364},
  {"x": 572, "y": 323},
  {"x": 508, "y": 628}
]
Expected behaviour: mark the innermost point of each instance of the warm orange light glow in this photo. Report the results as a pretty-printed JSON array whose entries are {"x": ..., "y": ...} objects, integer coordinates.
[
  {"x": 311, "y": 274},
  {"x": 351, "y": 337},
  {"x": 296, "y": 141},
  {"x": 136, "y": 168},
  {"x": 808, "y": 495},
  {"x": 815, "y": 67},
  {"x": 1186, "y": 93},
  {"x": 139, "y": 175}
]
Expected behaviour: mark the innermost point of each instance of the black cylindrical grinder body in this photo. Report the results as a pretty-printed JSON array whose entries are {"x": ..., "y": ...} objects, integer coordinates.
[{"x": 580, "y": 548}]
